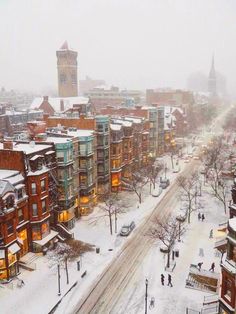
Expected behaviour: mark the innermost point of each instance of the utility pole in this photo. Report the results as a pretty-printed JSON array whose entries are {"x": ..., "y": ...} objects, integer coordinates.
[
  {"x": 146, "y": 295},
  {"x": 59, "y": 279}
]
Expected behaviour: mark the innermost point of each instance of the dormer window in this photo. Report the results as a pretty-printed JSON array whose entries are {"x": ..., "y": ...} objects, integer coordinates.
[{"x": 10, "y": 201}]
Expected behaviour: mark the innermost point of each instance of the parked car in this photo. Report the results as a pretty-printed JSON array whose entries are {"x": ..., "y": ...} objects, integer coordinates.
[
  {"x": 157, "y": 192},
  {"x": 176, "y": 169},
  {"x": 186, "y": 160},
  {"x": 126, "y": 229},
  {"x": 164, "y": 183},
  {"x": 196, "y": 157}
]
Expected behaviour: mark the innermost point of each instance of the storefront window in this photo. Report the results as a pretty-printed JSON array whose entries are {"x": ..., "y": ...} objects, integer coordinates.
[
  {"x": 3, "y": 274},
  {"x": 11, "y": 258},
  {"x": 66, "y": 215}
]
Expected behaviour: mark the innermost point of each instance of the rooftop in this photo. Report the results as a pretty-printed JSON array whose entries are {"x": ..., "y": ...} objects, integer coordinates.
[
  {"x": 55, "y": 102},
  {"x": 28, "y": 148}
]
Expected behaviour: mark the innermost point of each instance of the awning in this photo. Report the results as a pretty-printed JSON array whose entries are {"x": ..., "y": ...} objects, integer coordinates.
[
  {"x": 2, "y": 253},
  {"x": 14, "y": 248},
  {"x": 45, "y": 240}
]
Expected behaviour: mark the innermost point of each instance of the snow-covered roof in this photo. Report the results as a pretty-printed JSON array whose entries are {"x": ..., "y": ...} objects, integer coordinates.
[
  {"x": 135, "y": 120},
  {"x": 58, "y": 140},
  {"x": 38, "y": 172},
  {"x": 123, "y": 122},
  {"x": 27, "y": 147},
  {"x": 80, "y": 133},
  {"x": 232, "y": 223},
  {"x": 5, "y": 173},
  {"x": 46, "y": 239},
  {"x": 55, "y": 102},
  {"x": 115, "y": 127},
  {"x": 5, "y": 186}
]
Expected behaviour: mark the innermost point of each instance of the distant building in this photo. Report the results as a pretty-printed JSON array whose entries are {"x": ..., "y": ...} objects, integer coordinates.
[
  {"x": 169, "y": 97},
  {"x": 67, "y": 71},
  {"x": 212, "y": 81},
  {"x": 102, "y": 96},
  {"x": 88, "y": 84}
]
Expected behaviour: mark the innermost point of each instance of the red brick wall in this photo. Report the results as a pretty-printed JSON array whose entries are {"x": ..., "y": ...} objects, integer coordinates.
[
  {"x": 12, "y": 160},
  {"x": 80, "y": 123}
]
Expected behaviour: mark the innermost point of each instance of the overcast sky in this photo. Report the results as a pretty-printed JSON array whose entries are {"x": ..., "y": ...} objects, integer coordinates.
[{"x": 130, "y": 43}]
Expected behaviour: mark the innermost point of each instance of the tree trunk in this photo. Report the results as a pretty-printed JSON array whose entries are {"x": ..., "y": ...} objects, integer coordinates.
[
  {"x": 115, "y": 222},
  {"x": 168, "y": 259},
  {"x": 67, "y": 273},
  {"x": 110, "y": 220},
  {"x": 140, "y": 197},
  {"x": 189, "y": 215}
]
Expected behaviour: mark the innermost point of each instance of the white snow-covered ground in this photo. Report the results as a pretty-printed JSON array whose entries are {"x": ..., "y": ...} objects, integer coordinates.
[
  {"x": 39, "y": 295},
  {"x": 177, "y": 298},
  {"x": 40, "y": 292}
]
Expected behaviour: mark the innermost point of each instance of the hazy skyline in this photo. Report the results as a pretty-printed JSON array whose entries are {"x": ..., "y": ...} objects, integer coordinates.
[{"x": 133, "y": 44}]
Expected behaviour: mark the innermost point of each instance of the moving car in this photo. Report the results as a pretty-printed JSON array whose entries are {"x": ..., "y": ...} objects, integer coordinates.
[{"x": 126, "y": 229}]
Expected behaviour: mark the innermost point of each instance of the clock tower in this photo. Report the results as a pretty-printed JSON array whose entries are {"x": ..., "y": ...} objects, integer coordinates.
[{"x": 67, "y": 71}]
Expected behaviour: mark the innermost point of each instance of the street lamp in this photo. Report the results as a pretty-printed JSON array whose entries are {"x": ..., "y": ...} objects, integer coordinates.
[
  {"x": 146, "y": 295},
  {"x": 59, "y": 276}
]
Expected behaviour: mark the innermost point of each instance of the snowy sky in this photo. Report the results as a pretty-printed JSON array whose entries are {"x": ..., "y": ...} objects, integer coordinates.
[{"x": 130, "y": 43}]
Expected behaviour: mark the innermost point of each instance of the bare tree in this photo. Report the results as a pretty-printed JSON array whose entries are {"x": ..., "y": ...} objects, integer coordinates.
[
  {"x": 188, "y": 187},
  {"x": 68, "y": 251},
  {"x": 215, "y": 163},
  {"x": 153, "y": 170},
  {"x": 111, "y": 206},
  {"x": 167, "y": 231},
  {"x": 136, "y": 182}
]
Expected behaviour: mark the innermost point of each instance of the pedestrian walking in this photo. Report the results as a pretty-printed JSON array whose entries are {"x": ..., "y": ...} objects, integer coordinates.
[
  {"x": 211, "y": 234},
  {"x": 199, "y": 216},
  {"x": 203, "y": 217},
  {"x": 212, "y": 267},
  {"x": 169, "y": 280},
  {"x": 199, "y": 266},
  {"x": 162, "y": 279}
]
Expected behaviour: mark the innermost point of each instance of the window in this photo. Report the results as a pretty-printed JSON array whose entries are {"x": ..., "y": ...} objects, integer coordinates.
[
  {"x": 45, "y": 229},
  {"x": 36, "y": 233},
  {"x": 60, "y": 156},
  {"x": 10, "y": 201},
  {"x": 20, "y": 193},
  {"x": 20, "y": 215},
  {"x": 44, "y": 209},
  {"x": 33, "y": 188},
  {"x": 35, "y": 209},
  {"x": 228, "y": 289},
  {"x": 43, "y": 185},
  {"x": 63, "y": 78},
  {"x": 10, "y": 227}
]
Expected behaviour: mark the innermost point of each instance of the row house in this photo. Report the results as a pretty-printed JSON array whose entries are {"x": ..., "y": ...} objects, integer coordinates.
[
  {"x": 129, "y": 149},
  {"x": 77, "y": 172},
  {"x": 36, "y": 163},
  {"x": 153, "y": 116},
  {"x": 99, "y": 125},
  {"x": 14, "y": 222}
]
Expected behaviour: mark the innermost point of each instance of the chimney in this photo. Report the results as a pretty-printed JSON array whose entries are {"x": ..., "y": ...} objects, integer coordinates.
[
  {"x": 8, "y": 144},
  {"x": 62, "y": 108},
  {"x": 45, "y": 98}
]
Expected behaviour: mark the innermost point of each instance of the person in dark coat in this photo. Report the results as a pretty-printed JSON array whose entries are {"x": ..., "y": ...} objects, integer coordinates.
[
  {"x": 199, "y": 216},
  {"x": 169, "y": 280},
  {"x": 199, "y": 265},
  {"x": 203, "y": 217},
  {"x": 162, "y": 279},
  {"x": 212, "y": 267}
]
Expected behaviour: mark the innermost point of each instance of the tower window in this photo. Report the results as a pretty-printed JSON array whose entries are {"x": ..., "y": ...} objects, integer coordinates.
[
  {"x": 62, "y": 78},
  {"x": 73, "y": 79}
]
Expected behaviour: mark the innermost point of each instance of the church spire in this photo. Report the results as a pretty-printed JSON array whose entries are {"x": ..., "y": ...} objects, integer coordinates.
[{"x": 212, "y": 73}]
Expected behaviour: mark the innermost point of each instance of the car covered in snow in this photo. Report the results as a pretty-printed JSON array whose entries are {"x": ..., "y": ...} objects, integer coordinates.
[
  {"x": 126, "y": 229},
  {"x": 164, "y": 183},
  {"x": 157, "y": 192},
  {"x": 176, "y": 169}
]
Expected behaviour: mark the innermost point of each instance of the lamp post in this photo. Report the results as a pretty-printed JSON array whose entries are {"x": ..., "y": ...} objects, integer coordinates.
[
  {"x": 59, "y": 279},
  {"x": 146, "y": 295}
]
